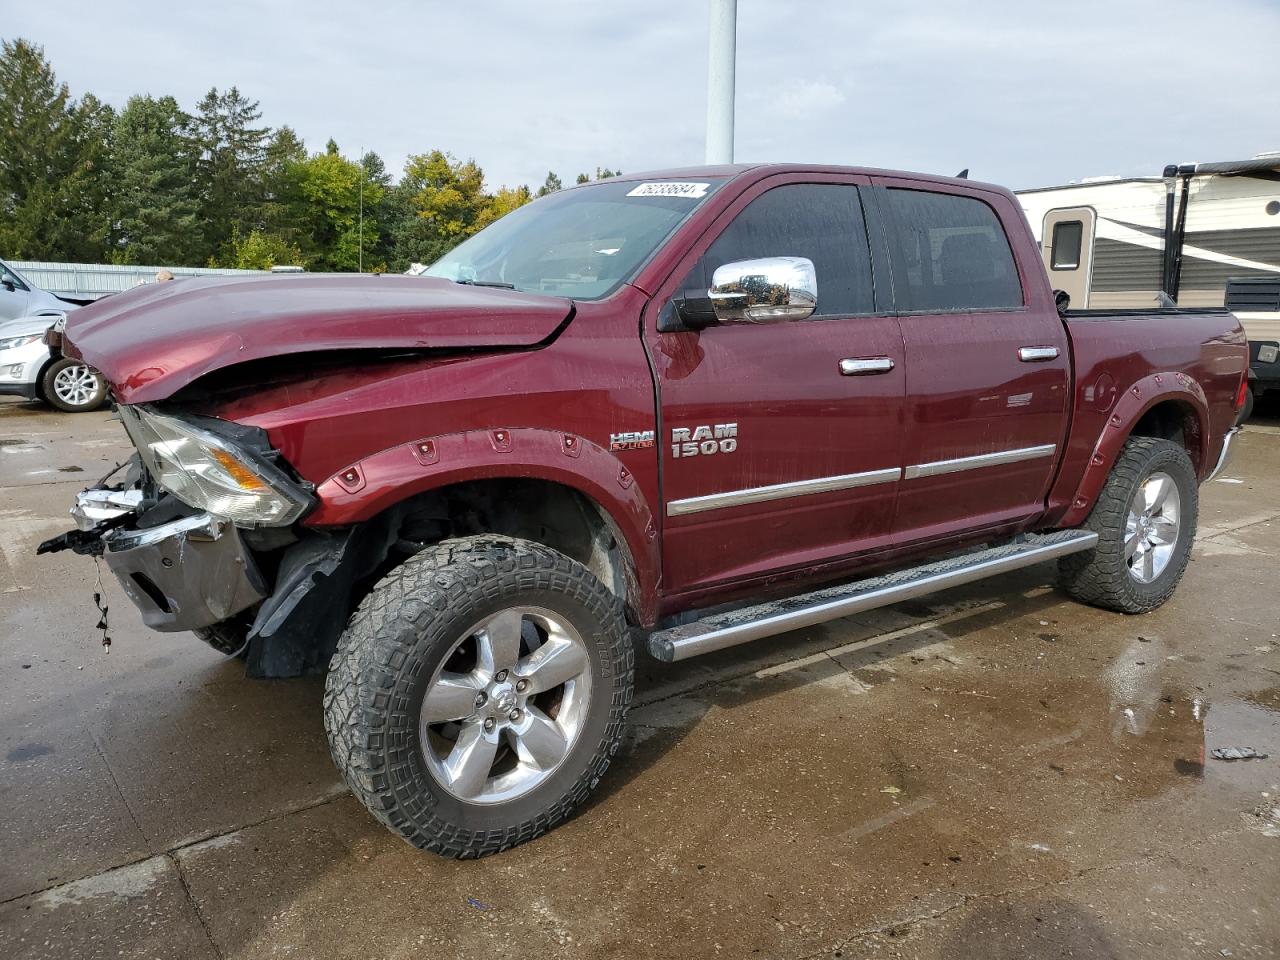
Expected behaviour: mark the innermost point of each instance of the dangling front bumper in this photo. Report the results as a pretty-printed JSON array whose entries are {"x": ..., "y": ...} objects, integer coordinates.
[
  {"x": 184, "y": 572},
  {"x": 189, "y": 573}
]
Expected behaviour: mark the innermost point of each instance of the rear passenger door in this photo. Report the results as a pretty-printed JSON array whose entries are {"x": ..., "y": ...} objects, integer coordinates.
[{"x": 988, "y": 370}]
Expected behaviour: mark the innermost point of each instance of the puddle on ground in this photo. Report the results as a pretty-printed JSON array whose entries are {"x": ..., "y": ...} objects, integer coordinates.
[{"x": 1188, "y": 727}]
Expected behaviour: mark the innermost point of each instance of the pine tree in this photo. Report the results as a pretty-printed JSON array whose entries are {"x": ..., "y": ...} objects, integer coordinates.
[
  {"x": 229, "y": 165},
  {"x": 550, "y": 185},
  {"x": 51, "y": 156},
  {"x": 155, "y": 215}
]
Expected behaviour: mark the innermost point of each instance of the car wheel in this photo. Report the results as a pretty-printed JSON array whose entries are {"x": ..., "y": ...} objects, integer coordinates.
[
  {"x": 479, "y": 694},
  {"x": 73, "y": 386},
  {"x": 1145, "y": 519}
]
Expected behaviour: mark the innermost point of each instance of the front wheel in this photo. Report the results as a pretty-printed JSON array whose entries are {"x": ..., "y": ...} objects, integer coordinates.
[
  {"x": 73, "y": 386},
  {"x": 1145, "y": 519},
  {"x": 479, "y": 693}
]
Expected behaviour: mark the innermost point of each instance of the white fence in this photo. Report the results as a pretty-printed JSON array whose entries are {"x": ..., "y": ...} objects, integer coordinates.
[{"x": 88, "y": 281}]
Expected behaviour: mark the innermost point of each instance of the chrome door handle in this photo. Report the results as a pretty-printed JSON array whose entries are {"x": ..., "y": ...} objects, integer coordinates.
[
  {"x": 1037, "y": 354},
  {"x": 861, "y": 366}
]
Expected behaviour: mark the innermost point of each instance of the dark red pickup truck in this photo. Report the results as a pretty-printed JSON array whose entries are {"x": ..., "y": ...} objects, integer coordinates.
[{"x": 693, "y": 405}]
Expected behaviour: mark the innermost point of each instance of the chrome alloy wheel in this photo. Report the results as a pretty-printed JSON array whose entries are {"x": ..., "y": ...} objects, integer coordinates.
[
  {"x": 1151, "y": 528},
  {"x": 506, "y": 705},
  {"x": 75, "y": 385}
]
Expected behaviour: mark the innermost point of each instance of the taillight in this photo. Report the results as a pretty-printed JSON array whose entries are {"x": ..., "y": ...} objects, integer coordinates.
[{"x": 1243, "y": 391}]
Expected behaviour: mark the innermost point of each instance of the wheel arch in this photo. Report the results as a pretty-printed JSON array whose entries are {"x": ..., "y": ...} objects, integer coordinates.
[
  {"x": 553, "y": 488},
  {"x": 1171, "y": 406},
  {"x": 45, "y": 364}
]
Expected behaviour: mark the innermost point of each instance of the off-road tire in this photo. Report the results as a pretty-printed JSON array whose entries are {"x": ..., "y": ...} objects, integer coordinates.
[
  {"x": 227, "y": 637},
  {"x": 95, "y": 400},
  {"x": 391, "y": 648},
  {"x": 1100, "y": 577}
]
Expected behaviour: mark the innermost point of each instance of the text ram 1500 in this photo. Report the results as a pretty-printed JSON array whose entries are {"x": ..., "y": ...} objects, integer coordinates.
[{"x": 691, "y": 404}]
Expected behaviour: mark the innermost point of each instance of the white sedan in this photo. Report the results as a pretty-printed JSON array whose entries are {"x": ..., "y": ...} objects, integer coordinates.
[{"x": 29, "y": 369}]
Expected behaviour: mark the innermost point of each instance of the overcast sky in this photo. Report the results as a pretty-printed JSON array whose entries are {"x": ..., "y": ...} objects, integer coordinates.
[{"x": 1025, "y": 94}]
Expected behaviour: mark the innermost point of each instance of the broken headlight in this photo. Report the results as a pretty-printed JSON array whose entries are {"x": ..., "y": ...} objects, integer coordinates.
[{"x": 212, "y": 473}]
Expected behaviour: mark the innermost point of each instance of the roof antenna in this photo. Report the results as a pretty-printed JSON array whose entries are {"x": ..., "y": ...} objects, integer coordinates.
[{"x": 963, "y": 174}]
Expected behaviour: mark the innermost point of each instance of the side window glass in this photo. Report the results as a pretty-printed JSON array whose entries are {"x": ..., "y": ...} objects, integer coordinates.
[
  {"x": 1067, "y": 236},
  {"x": 949, "y": 253},
  {"x": 820, "y": 221}
]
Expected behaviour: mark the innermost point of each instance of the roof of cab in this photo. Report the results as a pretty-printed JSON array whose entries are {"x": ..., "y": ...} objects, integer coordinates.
[{"x": 760, "y": 170}]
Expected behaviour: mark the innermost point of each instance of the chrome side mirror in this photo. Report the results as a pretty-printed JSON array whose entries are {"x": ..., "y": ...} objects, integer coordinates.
[{"x": 768, "y": 290}]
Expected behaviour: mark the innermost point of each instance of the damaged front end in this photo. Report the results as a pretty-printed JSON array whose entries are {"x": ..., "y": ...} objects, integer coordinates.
[{"x": 200, "y": 529}]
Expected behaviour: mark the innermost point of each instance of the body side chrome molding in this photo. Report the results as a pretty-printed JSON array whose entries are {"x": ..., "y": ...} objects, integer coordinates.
[
  {"x": 800, "y": 488},
  {"x": 939, "y": 467},
  {"x": 779, "y": 491}
]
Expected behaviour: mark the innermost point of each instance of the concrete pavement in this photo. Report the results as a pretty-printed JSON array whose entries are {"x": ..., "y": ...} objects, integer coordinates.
[{"x": 994, "y": 771}]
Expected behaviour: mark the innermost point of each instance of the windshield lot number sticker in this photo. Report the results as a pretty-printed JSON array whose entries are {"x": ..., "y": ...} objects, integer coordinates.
[
  {"x": 704, "y": 441},
  {"x": 689, "y": 191}
]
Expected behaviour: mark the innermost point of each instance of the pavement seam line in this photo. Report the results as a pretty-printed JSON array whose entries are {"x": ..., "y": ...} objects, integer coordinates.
[
  {"x": 177, "y": 850},
  {"x": 93, "y": 737},
  {"x": 1243, "y": 525},
  {"x": 195, "y": 907}
]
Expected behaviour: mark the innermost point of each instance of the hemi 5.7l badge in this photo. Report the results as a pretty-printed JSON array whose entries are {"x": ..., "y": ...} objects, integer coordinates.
[
  {"x": 705, "y": 440},
  {"x": 634, "y": 440}
]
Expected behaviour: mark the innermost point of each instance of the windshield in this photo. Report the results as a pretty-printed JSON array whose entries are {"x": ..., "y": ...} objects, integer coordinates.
[{"x": 581, "y": 243}]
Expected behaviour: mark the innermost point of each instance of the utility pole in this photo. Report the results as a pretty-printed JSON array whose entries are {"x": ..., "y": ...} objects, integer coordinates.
[
  {"x": 721, "y": 60},
  {"x": 360, "y": 231}
]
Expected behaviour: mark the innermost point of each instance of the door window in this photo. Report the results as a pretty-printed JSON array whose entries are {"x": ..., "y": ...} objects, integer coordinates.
[
  {"x": 820, "y": 221},
  {"x": 949, "y": 253},
  {"x": 8, "y": 276}
]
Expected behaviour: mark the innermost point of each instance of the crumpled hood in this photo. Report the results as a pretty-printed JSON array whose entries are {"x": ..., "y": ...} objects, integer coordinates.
[{"x": 155, "y": 339}]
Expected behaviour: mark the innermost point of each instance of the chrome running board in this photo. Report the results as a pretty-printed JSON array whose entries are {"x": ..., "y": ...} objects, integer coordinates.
[{"x": 721, "y": 630}]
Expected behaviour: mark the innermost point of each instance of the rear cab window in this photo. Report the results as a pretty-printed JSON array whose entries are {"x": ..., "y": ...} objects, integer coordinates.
[{"x": 949, "y": 253}]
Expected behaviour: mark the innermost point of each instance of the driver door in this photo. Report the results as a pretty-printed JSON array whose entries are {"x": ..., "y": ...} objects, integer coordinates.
[{"x": 781, "y": 443}]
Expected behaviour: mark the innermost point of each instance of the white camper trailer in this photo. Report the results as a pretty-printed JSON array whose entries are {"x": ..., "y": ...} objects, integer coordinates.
[{"x": 1104, "y": 243}]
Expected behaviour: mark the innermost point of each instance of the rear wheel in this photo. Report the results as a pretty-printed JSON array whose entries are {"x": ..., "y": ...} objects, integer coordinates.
[
  {"x": 479, "y": 694},
  {"x": 1145, "y": 519},
  {"x": 73, "y": 386}
]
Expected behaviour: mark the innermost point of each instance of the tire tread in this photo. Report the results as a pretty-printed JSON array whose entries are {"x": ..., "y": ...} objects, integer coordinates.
[
  {"x": 1100, "y": 577},
  {"x": 366, "y": 714}
]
